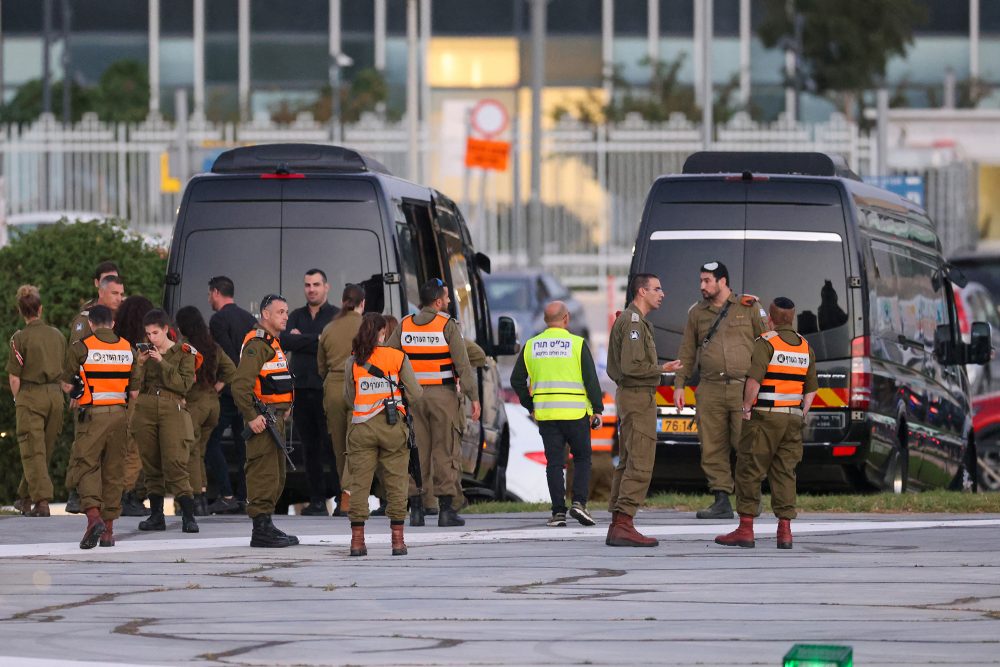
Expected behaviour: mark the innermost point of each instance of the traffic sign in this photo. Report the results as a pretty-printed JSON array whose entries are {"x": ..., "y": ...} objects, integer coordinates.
[
  {"x": 487, "y": 154},
  {"x": 489, "y": 118}
]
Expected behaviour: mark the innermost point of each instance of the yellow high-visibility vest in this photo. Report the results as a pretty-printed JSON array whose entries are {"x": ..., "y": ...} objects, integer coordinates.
[{"x": 555, "y": 377}]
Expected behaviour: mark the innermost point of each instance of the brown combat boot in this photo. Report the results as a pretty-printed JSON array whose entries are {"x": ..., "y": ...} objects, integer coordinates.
[
  {"x": 108, "y": 536},
  {"x": 622, "y": 533},
  {"x": 741, "y": 537},
  {"x": 95, "y": 527},
  {"x": 398, "y": 545},
  {"x": 784, "y": 533},
  {"x": 41, "y": 508},
  {"x": 358, "y": 547}
]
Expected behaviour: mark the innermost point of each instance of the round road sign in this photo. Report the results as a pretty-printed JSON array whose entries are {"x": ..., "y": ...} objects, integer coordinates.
[{"x": 489, "y": 118}]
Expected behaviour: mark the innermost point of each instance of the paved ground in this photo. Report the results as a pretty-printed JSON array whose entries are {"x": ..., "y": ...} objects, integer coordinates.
[{"x": 503, "y": 591}]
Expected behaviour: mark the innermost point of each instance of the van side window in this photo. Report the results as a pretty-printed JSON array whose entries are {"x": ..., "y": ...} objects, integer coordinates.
[
  {"x": 462, "y": 296},
  {"x": 906, "y": 303},
  {"x": 409, "y": 265}
]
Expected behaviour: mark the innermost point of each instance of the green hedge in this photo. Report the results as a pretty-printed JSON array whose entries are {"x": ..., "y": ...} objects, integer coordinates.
[{"x": 60, "y": 259}]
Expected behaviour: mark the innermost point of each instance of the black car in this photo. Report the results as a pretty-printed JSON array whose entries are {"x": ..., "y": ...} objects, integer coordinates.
[
  {"x": 267, "y": 213},
  {"x": 874, "y": 301}
]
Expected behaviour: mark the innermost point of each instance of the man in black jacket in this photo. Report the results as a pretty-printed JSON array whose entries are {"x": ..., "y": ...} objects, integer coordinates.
[
  {"x": 229, "y": 326},
  {"x": 301, "y": 338}
]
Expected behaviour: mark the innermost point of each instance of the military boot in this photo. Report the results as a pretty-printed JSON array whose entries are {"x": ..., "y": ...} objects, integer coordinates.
[
  {"x": 188, "y": 523},
  {"x": 416, "y": 511},
  {"x": 41, "y": 508},
  {"x": 155, "y": 520},
  {"x": 266, "y": 535},
  {"x": 200, "y": 505},
  {"x": 358, "y": 547},
  {"x": 73, "y": 502},
  {"x": 447, "y": 516},
  {"x": 741, "y": 537},
  {"x": 398, "y": 545},
  {"x": 622, "y": 533},
  {"x": 132, "y": 505},
  {"x": 291, "y": 538},
  {"x": 720, "y": 509},
  {"x": 108, "y": 536},
  {"x": 23, "y": 505},
  {"x": 784, "y": 533},
  {"x": 95, "y": 527}
]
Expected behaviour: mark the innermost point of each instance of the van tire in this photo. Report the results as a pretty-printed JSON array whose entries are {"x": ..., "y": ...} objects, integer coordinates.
[
  {"x": 897, "y": 470},
  {"x": 500, "y": 472}
]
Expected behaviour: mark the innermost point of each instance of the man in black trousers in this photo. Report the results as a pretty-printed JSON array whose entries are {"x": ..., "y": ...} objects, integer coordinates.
[
  {"x": 229, "y": 326},
  {"x": 301, "y": 339}
]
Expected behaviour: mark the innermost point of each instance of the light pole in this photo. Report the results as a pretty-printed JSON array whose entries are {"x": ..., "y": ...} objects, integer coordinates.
[{"x": 338, "y": 61}]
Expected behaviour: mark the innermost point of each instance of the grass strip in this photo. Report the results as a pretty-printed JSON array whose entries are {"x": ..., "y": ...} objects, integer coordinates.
[{"x": 928, "y": 502}]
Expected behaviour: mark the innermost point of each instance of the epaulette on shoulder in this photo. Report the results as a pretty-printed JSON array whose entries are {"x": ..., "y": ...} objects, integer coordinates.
[
  {"x": 748, "y": 300},
  {"x": 264, "y": 336},
  {"x": 189, "y": 348},
  {"x": 768, "y": 335},
  {"x": 85, "y": 313},
  {"x": 693, "y": 306}
]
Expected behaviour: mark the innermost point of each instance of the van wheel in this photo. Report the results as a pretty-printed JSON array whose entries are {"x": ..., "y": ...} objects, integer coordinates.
[
  {"x": 500, "y": 473},
  {"x": 897, "y": 472}
]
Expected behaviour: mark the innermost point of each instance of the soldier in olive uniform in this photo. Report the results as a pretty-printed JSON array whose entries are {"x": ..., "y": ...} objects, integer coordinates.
[
  {"x": 722, "y": 363},
  {"x": 34, "y": 366},
  {"x": 263, "y": 372},
  {"x": 477, "y": 358},
  {"x": 377, "y": 436},
  {"x": 333, "y": 350},
  {"x": 780, "y": 388},
  {"x": 634, "y": 367},
  {"x": 213, "y": 371},
  {"x": 161, "y": 423},
  {"x": 434, "y": 343},
  {"x": 110, "y": 293},
  {"x": 105, "y": 363}
]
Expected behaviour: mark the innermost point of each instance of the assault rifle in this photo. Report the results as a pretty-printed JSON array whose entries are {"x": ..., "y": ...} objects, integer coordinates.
[
  {"x": 272, "y": 428},
  {"x": 411, "y": 443}
]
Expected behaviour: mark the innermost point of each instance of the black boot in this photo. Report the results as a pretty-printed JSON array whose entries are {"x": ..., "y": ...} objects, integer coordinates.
[
  {"x": 720, "y": 509},
  {"x": 266, "y": 535},
  {"x": 416, "y": 510},
  {"x": 155, "y": 520},
  {"x": 73, "y": 502},
  {"x": 188, "y": 524},
  {"x": 291, "y": 538},
  {"x": 446, "y": 515},
  {"x": 200, "y": 505},
  {"x": 132, "y": 506}
]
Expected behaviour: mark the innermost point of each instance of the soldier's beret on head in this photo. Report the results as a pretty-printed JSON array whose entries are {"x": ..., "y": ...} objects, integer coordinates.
[{"x": 784, "y": 303}]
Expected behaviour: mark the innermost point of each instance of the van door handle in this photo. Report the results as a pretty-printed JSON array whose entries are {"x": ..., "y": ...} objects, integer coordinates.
[{"x": 909, "y": 342}]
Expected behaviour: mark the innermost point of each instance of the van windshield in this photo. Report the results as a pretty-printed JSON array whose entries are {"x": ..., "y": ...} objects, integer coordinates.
[{"x": 806, "y": 266}]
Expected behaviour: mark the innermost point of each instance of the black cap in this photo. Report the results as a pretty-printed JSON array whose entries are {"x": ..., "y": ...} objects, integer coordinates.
[{"x": 784, "y": 303}]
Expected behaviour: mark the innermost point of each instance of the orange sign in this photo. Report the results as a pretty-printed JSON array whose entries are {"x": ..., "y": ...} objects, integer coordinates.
[{"x": 487, "y": 154}]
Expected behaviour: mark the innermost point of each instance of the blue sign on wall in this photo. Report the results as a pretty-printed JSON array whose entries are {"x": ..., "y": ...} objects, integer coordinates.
[{"x": 908, "y": 187}]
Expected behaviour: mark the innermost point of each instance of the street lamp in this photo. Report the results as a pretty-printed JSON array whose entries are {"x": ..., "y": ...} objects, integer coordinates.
[{"x": 338, "y": 61}]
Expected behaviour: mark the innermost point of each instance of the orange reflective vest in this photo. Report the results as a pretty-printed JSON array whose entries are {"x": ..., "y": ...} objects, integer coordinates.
[
  {"x": 274, "y": 383},
  {"x": 106, "y": 371},
  {"x": 784, "y": 383},
  {"x": 371, "y": 392},
  {"x": 428, "y": 350}
]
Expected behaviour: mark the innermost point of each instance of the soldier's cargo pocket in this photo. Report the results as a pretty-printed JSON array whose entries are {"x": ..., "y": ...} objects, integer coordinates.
[
  {"x": 188, "y": 426},
  {"x": 257, "y": 446}
]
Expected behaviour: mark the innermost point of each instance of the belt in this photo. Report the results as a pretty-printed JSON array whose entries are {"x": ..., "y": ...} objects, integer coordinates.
[
  {"x": 787, "y": 411},
  {"x": 165, "y": 393},
  {"x": 720, "y": 379},
  {"x": 103, "y": 408}
]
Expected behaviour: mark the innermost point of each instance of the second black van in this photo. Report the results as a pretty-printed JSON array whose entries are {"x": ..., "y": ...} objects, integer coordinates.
[{"x": 874, "y": 300}]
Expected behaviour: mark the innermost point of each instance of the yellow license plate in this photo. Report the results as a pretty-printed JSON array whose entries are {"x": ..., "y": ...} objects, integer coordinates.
[{"x": 678, "y": 425}]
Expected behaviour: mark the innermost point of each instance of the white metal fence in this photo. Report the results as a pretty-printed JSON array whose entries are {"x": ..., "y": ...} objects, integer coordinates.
[{"x": 594, "y": 179}]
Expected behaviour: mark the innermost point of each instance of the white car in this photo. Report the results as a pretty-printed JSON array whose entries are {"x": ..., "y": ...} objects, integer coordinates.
[{"x": 526, "y": 463}]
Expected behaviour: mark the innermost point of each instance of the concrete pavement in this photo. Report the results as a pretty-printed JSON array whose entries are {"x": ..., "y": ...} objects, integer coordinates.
[{"x": 505, "y": 590}]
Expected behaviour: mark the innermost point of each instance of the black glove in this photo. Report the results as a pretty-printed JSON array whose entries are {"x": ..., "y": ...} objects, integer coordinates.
[
  {"x": 595, "y": 422},
  {"x": 77, "y": 390}
]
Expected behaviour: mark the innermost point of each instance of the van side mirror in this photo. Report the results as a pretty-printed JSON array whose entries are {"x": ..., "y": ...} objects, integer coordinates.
[
  {"x": 483, "y": 262},
  {"x": 506, "y": 336},
  {"x": 980, "y": 349},
  {"x": 945, "y": 349}
]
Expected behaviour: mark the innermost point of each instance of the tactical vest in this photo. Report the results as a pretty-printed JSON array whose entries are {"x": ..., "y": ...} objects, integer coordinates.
[
  {"x": 784, "y": 383},
  {"x": 428, "y": 350},
  {"x": 274, "y": 383},
  {"x": 370, "y": 392},
  {"x": 105, "y": 371},
  {"x": 556, "y": 379}
]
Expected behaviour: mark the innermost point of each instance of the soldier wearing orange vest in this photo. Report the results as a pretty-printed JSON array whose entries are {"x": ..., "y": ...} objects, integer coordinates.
[
  {"x": 105, "y": 363},
  {"x": 377, "y": 436},
  {"x": 263, "y": 372},
  {"x": 433, "y": 341},
  {"x": 780, "y": 389}
]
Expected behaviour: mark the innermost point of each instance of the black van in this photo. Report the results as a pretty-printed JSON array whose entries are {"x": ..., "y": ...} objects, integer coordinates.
[
  {"x": 266, "y": 214},
  {"x": 873, "y": 298}
]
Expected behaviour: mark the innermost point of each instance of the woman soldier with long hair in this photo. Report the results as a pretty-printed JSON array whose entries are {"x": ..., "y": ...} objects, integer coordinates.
[
  {"x": 378, "y": 434},
  {"x": 214, "y": 371}
]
